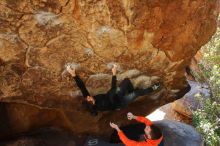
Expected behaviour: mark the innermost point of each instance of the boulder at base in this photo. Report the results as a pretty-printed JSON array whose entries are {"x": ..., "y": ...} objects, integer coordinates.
[{"x": 179, "y": 134}]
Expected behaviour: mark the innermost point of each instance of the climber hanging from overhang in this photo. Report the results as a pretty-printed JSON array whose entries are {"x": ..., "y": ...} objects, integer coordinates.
[{"x": 115, "y": 98}]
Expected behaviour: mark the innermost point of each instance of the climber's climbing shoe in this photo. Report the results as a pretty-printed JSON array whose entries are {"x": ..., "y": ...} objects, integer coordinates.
[{"x": 156, "y": 86}]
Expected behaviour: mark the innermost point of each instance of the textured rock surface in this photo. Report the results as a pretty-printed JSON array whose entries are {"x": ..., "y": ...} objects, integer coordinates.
[
  {"x": 179, "y": 134},
  {"x": 150, "y": 40}
]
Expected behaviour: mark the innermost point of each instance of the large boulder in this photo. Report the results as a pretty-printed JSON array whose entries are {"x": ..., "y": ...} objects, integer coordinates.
[
  {"x": 151, "y": 41},
  {"x": 179, "y": 134}
]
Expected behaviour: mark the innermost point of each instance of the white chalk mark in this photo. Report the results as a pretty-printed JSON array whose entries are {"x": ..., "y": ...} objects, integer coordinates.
[
  {"x": 12, "y": 37},
  {"x": 103, "y": 29},
  {"x": 89, "y": 51},
  {"x": 129, "y": 74},
  {"x": 175, "y": 90},
  {"x": 99, "y": 76},
  {"x": 44, "y": 18},
  {"x": 111, "y": 65},
  {"x": 72, "y": 65}
]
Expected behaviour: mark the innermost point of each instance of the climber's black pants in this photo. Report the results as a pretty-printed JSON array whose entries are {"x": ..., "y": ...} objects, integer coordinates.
[{"x": 127, "y": 93}]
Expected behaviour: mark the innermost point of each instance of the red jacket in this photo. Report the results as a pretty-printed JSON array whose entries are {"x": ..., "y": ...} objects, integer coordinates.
[{"x": 148, "y": 142}]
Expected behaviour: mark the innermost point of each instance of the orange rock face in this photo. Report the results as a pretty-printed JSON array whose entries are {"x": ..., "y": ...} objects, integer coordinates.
[{"x": 150, "y": 40}]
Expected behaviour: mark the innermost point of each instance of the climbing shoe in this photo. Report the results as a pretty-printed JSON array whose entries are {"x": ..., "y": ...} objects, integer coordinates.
[{"x": 156, "y": 86}]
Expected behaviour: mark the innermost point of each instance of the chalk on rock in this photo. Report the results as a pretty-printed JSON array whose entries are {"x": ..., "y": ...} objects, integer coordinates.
[
  {"x": 72, "y": 65},
  {"x": 89, "y": 51},
  {"x": 111, "y": 64},
  {"x": 44, "y": 18},
  {"x": 103, "y": 29},
  {"x": 154, "y": 78},
  {"x": 129, "y": 74},
  {"x": 99, "y": 76},
  {"x": 175, "y": 90},
  {"x": 142, "y": 81},
  {"x": 12, "y": 37}
]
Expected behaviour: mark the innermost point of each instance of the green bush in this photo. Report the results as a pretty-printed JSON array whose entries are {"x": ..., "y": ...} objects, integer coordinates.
[{"x": 207, "y": 118}]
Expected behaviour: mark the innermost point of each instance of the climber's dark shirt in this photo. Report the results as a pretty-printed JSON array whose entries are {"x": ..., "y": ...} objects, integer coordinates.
[{"x": 108, "y": 101}]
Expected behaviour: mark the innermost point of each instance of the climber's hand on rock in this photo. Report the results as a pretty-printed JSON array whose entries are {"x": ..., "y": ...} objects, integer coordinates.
[
  {"x": 114, "y": 126},
  {"x": 71, "y": 71},
  {"x": 90, "y": 99},
  {"x": 130, "y": 116},
  {"x": 114, "y": 69}
]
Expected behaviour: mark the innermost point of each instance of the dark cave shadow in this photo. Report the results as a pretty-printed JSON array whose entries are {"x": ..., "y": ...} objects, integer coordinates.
[
  {"x": 133, "y": 131},
  {"x": 4, "y": 120}
]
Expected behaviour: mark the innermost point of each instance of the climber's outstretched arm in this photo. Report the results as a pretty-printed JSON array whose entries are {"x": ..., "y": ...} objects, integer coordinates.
[
  {"x": 78, "y": 81},
  {"x": 81, "y": 86},
  {"x": 114, "y": 79},
  {"x": 144, "y": 120}
]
